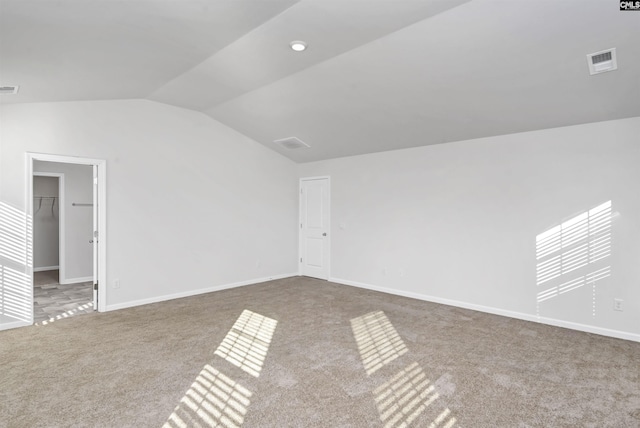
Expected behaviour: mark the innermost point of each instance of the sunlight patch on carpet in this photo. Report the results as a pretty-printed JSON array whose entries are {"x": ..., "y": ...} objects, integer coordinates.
[
  {"x": 377, "y": 340},
  {"x": 406, "y": 396},
  {"x": 247, "y": 343},
  {"x": 213, "y": 400}
]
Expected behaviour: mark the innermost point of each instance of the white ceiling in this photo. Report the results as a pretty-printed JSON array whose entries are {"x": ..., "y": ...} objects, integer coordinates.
[{"x": 378, "y": 74}]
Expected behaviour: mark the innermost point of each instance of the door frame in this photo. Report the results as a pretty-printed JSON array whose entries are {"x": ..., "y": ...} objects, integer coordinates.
[
  {"x": 300, "y": 236},
  {"x": 61, "y": 220},
  {"x": 102, "y": 214}
]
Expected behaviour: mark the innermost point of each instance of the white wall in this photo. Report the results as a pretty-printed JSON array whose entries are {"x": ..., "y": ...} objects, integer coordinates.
[
  {"x": 192, "y": 204},
  {"x": 45, "y": 223},
  {"x": 78, "y": 254},
  {"x": 458, "y": 222}
]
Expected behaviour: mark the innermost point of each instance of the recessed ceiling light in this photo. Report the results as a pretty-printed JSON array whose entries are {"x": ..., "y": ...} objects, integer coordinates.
[
  {"x": 298, "y": 45},
  {"x": 292, "y": 143}
]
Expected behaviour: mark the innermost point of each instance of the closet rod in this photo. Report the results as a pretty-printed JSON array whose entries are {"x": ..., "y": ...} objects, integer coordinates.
[
  {"x": 46, "y": 197},
  {"x": 75, "y": 204}
]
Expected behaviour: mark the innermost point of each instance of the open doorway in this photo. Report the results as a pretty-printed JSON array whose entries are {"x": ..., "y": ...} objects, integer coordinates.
[
  {"x": 67, "y": 207},
  {"x": 62, "y": 235}
]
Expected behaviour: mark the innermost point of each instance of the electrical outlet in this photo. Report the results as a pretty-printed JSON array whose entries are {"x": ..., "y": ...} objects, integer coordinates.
[
  {"x": 617, "y": 304},
  {"x": 116, "y": 283}
]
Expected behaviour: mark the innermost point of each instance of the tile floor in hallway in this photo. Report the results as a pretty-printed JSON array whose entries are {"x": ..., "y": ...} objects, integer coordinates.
[{"x": 52, "y": 299}]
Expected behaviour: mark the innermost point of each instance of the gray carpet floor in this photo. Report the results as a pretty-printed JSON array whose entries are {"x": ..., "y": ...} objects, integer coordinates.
[{"x": 299, "y": 352}]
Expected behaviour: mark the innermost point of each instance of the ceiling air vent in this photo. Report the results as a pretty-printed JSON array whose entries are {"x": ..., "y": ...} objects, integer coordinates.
[
  {"x": 9, "y": 89},
  {"x": 602, "y": 61},
  {"x": 292, "y": 143}
]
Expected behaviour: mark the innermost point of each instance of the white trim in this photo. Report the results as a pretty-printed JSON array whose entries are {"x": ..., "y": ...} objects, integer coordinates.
[
  {"x": 48, "y": 174},
  {"x": 14, "y": 324},
  {"x": 496, "y": 311},
  {"x": 45, "y": 268},
  {"x": 65, "y": 159},
  {"x": 62, "y": 235},
  {"x": 76, "y": 280},
  {"x": 196, "y": 292},
  {"x": 329, "y": 237},
  {"x": 95, "y": 229},
  {"x": 29, "y": 240},
  {"x": 317, "y": 177},
  {"x": 102, "y": 212}
]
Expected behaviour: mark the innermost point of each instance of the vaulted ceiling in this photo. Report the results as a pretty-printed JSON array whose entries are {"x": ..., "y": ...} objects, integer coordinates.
[{"x": 377, "y": 75}]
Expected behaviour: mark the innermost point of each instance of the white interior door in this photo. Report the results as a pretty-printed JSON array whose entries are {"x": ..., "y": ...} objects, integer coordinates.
[
  {"x": 314, "y": 227},
  {"x": 95, "y": 237}
]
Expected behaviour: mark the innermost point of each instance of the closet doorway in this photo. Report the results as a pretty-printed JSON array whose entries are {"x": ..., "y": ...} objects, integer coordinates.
[
  {"x": 48, "y": 197},
  {"x": 66, "y": 199}
]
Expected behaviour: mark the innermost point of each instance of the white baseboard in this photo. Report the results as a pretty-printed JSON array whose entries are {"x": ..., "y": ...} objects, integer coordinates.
[
  {"x": 45, "y": 268},
  {"x": 195, "y": 292},
  {"x": 13, "y": 324},
  {"x": 76, "y": 280},
  {"x": 496, "y": 311}
]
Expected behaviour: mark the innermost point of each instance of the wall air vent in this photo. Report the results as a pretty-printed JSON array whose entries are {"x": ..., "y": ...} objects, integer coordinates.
[
  {"x": 602, "y": 61},
  {"x": 9, "y": 89},
  {"x": 292, "y": 143}
]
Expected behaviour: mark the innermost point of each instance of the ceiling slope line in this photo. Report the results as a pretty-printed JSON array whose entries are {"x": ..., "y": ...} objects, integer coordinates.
[
  {"x": 451, "y": 5},
  {"x": 150, "y": 94}
]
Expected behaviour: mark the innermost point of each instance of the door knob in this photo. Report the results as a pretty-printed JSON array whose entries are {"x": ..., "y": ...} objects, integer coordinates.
[{"x": 324, "y": 234}]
